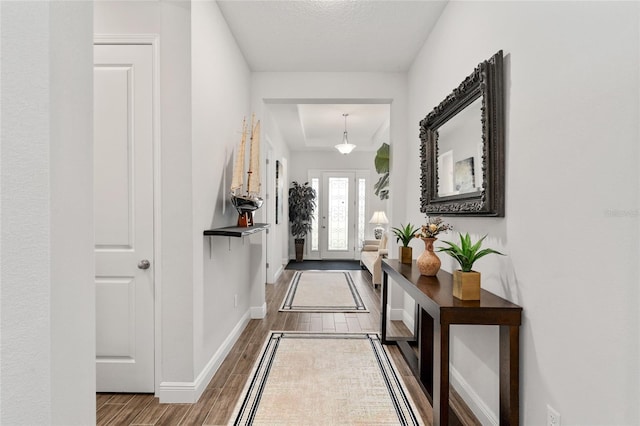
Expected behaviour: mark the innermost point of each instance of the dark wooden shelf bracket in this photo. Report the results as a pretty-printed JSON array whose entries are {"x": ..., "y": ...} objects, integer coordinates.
[{"x": 235, "y": 232}]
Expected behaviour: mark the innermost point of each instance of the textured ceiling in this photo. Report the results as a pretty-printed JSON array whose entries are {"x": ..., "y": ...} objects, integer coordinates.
[
  {"x": 330, "y": 36},
  {"x": 360, "y": 35}
]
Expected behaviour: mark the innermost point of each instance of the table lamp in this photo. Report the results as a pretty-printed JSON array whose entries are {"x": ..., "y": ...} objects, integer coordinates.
[{"x": 379, "y": 218}]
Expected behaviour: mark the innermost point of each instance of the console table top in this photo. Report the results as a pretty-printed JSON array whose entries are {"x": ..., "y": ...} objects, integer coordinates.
[{"x": 438, "y": 291}]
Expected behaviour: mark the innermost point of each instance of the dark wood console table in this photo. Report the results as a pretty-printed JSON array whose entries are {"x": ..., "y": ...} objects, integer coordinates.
[{"x": 437, "y": 309}]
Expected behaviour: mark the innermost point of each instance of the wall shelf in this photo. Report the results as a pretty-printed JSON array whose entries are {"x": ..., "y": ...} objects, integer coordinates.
[{"x": 236, "y": 231}]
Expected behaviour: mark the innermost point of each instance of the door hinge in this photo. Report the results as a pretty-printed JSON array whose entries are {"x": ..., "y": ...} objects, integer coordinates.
[
  {"x": 267, "y": 161},
  {"x": 267, "y": 264}
]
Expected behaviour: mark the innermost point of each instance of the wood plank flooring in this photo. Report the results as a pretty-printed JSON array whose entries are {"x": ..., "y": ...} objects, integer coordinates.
[{"x": 217, "y": 402}]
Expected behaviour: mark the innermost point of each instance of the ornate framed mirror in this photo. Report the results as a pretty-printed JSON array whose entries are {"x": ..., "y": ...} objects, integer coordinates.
[{"x": 462, "y": 147}]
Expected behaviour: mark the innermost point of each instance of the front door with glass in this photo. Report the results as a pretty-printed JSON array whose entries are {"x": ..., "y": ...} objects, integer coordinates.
[
  {"x": 339, "y": 219},
  {"x": 338, "y": 215}
]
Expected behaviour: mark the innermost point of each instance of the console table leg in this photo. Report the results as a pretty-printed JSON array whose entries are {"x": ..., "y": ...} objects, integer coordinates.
[
  {"x": 444, "y": 374},
  {"x": 425, "y": 352},
  {"x": 509, "y": 375},
  {"x": 383, "y": 308}
]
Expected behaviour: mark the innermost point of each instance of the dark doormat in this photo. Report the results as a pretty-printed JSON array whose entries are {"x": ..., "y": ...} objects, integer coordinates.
[{"x": 324, "y": 265}]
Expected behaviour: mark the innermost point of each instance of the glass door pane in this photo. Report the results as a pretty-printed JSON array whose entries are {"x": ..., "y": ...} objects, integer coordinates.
[{"x": 338, "y": 215}]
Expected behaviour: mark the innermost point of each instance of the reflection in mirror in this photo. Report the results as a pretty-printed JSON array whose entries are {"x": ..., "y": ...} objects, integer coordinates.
[{"x": 459, "y": 168}]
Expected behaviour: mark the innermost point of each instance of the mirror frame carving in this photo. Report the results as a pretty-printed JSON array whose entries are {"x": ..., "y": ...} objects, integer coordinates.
[{"x": 486, "y": 82}]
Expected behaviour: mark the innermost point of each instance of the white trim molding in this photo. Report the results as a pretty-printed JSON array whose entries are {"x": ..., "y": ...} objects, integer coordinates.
[
  {"x": 190, "y": 392},
  {"x": 277, "y": 274},
  {"x": 408, "y": 319},
  {"x": 396, "y": 314},
  {"x": 259, "y": 312},
  {"x": 152, "y": 39},
  {"x": 472, "y": 399}
]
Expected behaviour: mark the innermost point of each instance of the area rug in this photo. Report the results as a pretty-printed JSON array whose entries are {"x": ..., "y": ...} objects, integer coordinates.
[
  {"x": 319, "y": 291},
  {"x": 324, "y": 379},
  {"x": 325, "y": 265}
]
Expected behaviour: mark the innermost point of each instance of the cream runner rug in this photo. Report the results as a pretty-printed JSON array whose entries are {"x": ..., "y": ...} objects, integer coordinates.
[
  {"x": 315, "y": 291},
  {"x": 324, "y": 379}
]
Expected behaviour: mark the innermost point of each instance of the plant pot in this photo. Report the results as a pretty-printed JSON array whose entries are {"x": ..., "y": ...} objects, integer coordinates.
[
  {"x": 466, "y": 285},
  {"x": 428, "y": 262},
  {"x": 406, "y": 255},
  {"x": 299, "y": 249}
]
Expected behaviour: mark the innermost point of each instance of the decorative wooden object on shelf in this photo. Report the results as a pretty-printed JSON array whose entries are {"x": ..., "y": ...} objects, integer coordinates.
[{"x": 436, "y": 310}]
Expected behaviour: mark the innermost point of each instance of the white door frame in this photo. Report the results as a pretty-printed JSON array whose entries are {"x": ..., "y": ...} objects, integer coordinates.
[
  {"x": 154, "y": 41},
  {"x": 359, "y": 174},
  {"x": 269, "y": 178}
]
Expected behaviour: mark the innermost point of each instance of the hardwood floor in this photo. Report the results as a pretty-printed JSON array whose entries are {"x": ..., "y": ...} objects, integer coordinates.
[{"x": 218, "y": 401}]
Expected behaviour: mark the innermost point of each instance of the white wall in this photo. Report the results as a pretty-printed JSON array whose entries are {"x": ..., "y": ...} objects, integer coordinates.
[
  {"x": 47, "y": 324},
  {"x": 205, "y": 85},
  {"x": 221, "y": 86},
  {"x": 72, "y": 261},
  {"x": 277, "y": 240},
  {"x": 571, "y": 225}
]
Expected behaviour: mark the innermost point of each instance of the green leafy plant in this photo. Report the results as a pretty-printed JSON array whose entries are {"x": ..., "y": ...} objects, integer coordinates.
[
  {"x": 467, "y": 252},
  {"x": 381, "y": 161},
  {"x": 302, "y": 203},
  {"x": 404, "y": 233}
]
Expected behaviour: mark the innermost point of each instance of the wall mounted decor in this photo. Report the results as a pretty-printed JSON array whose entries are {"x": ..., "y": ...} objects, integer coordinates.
[{"x": 462, "y": 147}]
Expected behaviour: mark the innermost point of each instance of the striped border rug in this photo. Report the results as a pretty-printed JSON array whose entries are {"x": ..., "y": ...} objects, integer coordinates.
[
  {"x": 324, "y": 379},
  {"x": 322, "y": 291}
]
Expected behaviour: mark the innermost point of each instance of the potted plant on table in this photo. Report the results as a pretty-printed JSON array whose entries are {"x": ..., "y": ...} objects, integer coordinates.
[
  {"x": 405, "y": 234},
  {"x": 302, "y": 203},
  {"x": 466, "y": 282}
]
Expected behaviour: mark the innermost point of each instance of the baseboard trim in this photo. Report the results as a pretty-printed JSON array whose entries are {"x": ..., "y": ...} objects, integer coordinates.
[
  {"x": 396, "y": 314},
  {"x": 277, "y": 274},
  {"x": 408, "y": 320},
  {"x": 259, "y": 312},
  {"x": 190, "y": 392},
  {"x": 471, "y": 399}
]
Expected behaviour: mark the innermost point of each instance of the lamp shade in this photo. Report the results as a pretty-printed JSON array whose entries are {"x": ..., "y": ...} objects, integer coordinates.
[
  {"x": 345, "y": 147},
  {"x": 379, "y": 218}
]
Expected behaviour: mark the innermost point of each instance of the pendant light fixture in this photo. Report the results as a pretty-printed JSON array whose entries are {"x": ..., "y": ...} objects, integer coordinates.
[{"x": 345, "y": 147}]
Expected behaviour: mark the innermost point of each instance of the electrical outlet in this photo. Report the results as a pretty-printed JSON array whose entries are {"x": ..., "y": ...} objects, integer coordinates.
[
  {"x": 553, "y": 417},
  {"x": 235, "y": 301}
]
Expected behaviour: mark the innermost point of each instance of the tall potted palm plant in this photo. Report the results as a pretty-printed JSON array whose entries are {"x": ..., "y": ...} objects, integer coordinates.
[{"x": 302, "y": 203}]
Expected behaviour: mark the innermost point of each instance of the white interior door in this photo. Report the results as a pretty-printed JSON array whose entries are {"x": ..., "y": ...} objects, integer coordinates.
[
  {"x": 338, "y": 215},
  {"x": 123, "y": 184}
]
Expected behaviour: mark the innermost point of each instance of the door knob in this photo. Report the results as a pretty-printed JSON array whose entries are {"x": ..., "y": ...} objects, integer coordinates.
[{"x": 144, "y": 264}]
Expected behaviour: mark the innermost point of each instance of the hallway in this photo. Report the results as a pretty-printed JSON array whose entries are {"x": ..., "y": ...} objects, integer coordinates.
[{"x": 219, "y": 399}]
